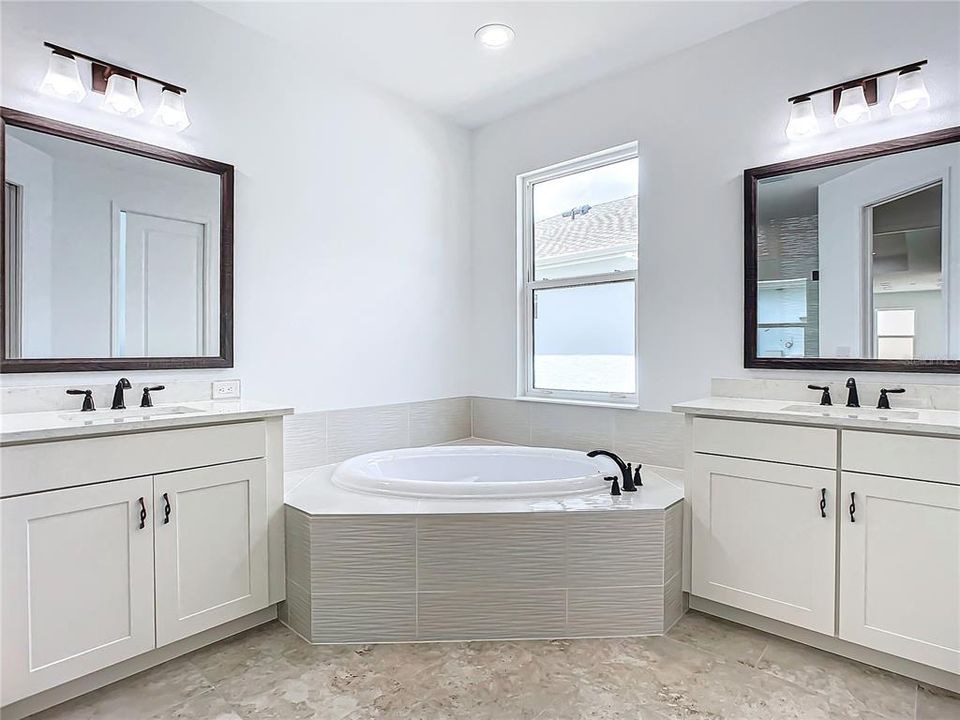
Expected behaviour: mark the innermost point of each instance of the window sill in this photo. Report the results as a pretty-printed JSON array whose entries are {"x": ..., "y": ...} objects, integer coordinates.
[{"x": 584, "y": 403}]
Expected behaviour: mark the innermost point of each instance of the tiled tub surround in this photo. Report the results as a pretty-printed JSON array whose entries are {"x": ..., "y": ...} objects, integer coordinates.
[
  {"x": 318, "y": 438},
  {"x": 369, "y": 569}
]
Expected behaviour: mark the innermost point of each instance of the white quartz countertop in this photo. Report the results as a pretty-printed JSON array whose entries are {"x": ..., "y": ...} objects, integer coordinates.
[
  {"x": 63, "y": 425},
  {"x": 903, "y": 419}
]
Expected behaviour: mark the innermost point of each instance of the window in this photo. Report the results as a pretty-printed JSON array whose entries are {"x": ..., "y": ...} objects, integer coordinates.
[
  {"x": 578, "y": 225},
  {"x": 896, "y": 334}
]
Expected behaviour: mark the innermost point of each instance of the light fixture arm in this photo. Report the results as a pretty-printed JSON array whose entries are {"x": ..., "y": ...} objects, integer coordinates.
[
  {"x": 114, "y": 68},
  {"x": 857, "y": 81}
]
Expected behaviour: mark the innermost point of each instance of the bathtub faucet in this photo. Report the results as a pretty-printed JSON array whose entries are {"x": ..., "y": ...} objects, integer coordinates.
[{"x": 628, "y": 484}]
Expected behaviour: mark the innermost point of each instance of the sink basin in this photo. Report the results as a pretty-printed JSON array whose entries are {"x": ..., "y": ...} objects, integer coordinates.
[
  {"x": 137, "y": 413},
  {"x": 841, "y": 411}
]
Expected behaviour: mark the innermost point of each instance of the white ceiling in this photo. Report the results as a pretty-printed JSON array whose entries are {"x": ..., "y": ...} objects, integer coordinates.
[{"x": 426, "y": 52}]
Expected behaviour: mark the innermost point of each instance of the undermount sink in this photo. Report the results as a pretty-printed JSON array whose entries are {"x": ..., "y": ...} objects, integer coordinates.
[
  {"x": 851, "y": 412},
  {"x": 105, "y": 416}
]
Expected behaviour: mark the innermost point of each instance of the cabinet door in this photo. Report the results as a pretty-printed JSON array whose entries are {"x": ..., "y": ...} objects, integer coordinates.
[
  {"x": 77, "y": 583},
  {"x": 761, "y": 542},
  {"x": 900, "y": 568},
  {"x": 211, "y": 548}
]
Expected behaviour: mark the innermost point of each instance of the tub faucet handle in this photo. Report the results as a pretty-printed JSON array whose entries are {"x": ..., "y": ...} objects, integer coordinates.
[
  {"x": 628, "y": 484},
  {"x": 615, "y": 487},
  {"x": 637, "y": 480}
]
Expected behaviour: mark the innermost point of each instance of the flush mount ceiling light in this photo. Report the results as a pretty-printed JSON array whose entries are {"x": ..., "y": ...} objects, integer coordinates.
[
  {"x": 911, "y": 93},
  {"x": 803, "y": 120},
  {"x": 63, "y": 78},
  {"x": 117, "y": 84},
  {"x": 495, "y": 35},
  {"x": 853, "y": 99}
]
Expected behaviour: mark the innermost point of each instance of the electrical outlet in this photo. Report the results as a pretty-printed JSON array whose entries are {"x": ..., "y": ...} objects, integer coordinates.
[{"x": 223, "y": 389}]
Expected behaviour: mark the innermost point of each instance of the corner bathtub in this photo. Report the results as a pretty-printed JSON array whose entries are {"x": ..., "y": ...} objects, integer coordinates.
[
  {"x": 472, "y": 472},
  {"x": 479, "y": 542}
]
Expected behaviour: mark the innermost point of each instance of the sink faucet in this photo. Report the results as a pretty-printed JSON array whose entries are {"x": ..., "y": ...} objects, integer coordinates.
[
  {"x": 625, "y": 470},
  {"x": 118, "y": 404},
  {"x": 853, "y": 398}
]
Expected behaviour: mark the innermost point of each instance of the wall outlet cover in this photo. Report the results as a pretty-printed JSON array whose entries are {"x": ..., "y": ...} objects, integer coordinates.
[{"x": 223, "y": 389}]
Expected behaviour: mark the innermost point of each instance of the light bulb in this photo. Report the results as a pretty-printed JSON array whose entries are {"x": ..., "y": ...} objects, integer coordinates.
[
  {"x": 911, "y": 94},
  {"x": 803, "y": 121},
  {"x": 172, "y": 112},
  {"x": 63, "y": 79},
  {"x": 495, "y": 35},
  {"x": 121, "y": 97},
  {"x": 853, "y": 107}
]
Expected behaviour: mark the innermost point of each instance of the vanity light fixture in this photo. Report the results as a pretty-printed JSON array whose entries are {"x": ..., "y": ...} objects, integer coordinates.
[
  {"x": 911, "y": 93},
  {"x": 852, "y": 100},
  {"x": 121, "y": 96},
  {"x": 495, "y": 35},
  {"x": 63, "y": 78},
  {"x": 172, "y": 113},
  {"x": 117, "y": 84},
  {"x": 803, "y": 120}
]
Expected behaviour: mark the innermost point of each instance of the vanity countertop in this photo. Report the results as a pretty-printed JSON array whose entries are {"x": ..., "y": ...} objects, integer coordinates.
[
  {"x": 27, "y": 427},
  {"x": 901, "y": 420}
]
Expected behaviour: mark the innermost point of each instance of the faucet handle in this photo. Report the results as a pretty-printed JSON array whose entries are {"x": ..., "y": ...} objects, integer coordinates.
[
  {"x": 884, "y": 402},
  {"x": 88, "y": 405},
  {"x": 147, "y": 400},
  {"x": 825, "y": 397}
]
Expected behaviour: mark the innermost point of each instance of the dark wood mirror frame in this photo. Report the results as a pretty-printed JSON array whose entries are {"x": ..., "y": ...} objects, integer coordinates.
[
  {"x": 751, "y": 178},
  {"x": 17, "y": 118}
]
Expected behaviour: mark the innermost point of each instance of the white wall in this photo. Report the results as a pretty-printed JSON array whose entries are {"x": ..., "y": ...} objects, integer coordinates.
[
  {"x": 700, "y": 117},
  {"x": 352, "y": 227}
]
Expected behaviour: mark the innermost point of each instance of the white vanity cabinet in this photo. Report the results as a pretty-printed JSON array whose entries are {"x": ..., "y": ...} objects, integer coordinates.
[
  {"x": 210, "y": 547},
  {"x": 120, "y": 553},
  {"x": 900, "y": 550},
  {"x": 852, "y": 534},
  {"x": 77, "y": 579},
  {"x": 762, "y": 542}
]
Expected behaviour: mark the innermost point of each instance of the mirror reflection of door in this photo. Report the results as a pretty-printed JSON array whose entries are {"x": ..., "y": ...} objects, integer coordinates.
[
  {"x": 906, "y": 295},
  {"x": 161, "y": 270}
]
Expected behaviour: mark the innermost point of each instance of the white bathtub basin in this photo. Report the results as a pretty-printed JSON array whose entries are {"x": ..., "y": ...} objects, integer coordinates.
[{"x": 468, "y": 471}]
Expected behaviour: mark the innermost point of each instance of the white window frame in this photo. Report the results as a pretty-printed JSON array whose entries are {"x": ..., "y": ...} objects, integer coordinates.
[{"x": 528, "y": 285}]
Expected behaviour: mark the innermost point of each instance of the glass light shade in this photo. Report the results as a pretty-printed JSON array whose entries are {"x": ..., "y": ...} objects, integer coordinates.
[
  {"x": 495, "y": 35},
  {"x": 172, "y": 112},
  {"x": 911, "y": 94},
  {"x": 853, "y": 107},
  {"x": 63, "y": 79},
  {"x": 121, "y": 96},
  {"x": 803, "y": 121}
]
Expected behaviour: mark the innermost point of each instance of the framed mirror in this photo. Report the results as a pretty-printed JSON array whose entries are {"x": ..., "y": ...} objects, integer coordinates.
[
  {"x": 117, "y": 255},
  {"x": 852, "y": 259}
]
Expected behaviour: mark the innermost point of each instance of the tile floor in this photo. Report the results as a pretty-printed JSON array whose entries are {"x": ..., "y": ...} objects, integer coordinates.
[{"x": 704, "y": 669}]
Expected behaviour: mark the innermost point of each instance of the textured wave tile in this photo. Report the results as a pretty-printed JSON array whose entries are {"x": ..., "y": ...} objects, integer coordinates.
[
  {"x": 439, "y": 421},
  {"x": 364, "y": 617},
  {"x": 304, "y": 440},
  {"x": 490, "y": 615},
  {"x": 464, "y": 552},
  {"x": 672, "y": 602},
  {"x": 672, "y": 540},
  {"x": 357, "y": 553},
  {"x": 614, "y": 549},
  {"x": 503, "y": 420},
  {"x": 297, "y": 546},
  {"x": 572, "y": 427},
  {"x": 609, "y": 612},
  {"x": 295, "y": 611},
  {"x": 363, "y": 430},
  {"x": 653, "y": 438}
]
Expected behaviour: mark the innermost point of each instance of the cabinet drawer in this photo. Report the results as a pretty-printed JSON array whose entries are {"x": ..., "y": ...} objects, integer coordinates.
[
  {"x": 815, "y": 447},
  {"x": 47, "y": 466},
  {"x": 906, "y": 456}
]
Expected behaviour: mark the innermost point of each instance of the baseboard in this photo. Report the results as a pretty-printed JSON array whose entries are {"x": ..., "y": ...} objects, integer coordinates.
[
  {"x": 922, "y": 673},
  {"x": 81, "y": 686}
]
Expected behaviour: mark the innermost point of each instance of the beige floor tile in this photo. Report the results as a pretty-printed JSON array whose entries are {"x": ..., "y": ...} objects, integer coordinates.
[
  {"x": 936, "y": 704},
  {"x": 846, "y": 683},
  {"x": 729, "y": 640}
]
